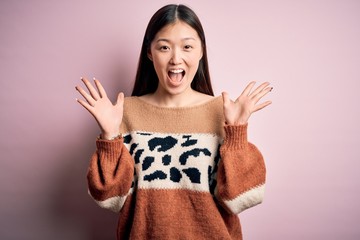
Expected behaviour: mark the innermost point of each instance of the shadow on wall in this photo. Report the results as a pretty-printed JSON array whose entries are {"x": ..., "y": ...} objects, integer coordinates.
[{"x": 75, "y": 213}]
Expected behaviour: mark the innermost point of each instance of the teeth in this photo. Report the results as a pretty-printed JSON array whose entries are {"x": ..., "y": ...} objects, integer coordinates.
[{"x": 176, "y": 70}]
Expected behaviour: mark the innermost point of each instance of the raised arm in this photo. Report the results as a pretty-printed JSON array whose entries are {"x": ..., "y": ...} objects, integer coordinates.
[
  {"x": 241, "y": 172},
  {"x": 111, "y": 169}
]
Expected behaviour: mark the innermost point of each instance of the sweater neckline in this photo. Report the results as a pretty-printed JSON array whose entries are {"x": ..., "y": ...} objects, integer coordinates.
[{"x": 209, "y": 102}]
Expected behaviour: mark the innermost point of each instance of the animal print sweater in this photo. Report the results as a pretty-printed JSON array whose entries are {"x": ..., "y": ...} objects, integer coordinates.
[{"x": 177, "y": 173}]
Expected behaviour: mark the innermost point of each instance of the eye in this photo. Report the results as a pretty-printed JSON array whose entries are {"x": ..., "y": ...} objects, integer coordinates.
[
  {"x": 188, "y": 47},
  {"x": 164, "y": 48}
]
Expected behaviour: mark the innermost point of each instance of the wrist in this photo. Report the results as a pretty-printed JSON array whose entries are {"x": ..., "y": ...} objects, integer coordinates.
[
  {"x": 236, "y": 123},
  {"x": 110, "y": 136},
  {"x": 239, "y": 123}
]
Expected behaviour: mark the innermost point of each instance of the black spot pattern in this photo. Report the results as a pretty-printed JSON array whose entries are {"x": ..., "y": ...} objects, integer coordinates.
[
  {"x": 188, "y": 142},
  {"x": 144, "y": 133},
  {"x": 155, "y": 175},
  {"x": 127, "y": 138},
  {"x": 147, "y": 163},
  {"x": 211, "y": 179},
  {"x": 175, "y": 174},
  {"x": 138, "y": 155},
  {"x": 213, "y": 170},
  {"x": 132, "y": 148},
  {"x": 193, "y": 174},
  {"x": 194, "y": 152},
  {"x": 166, "y": 160},
  {"x": 164, "y": 143}
]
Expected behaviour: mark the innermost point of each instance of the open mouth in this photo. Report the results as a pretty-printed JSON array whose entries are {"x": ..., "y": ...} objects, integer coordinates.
[{"x": 176, "y": 75}]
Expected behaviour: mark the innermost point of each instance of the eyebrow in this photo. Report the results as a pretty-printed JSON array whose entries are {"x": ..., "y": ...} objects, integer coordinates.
[{"x": 167, "y": 40}]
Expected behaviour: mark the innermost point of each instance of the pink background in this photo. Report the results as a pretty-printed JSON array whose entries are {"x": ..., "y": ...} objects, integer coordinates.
[{"x": 309, "y": 50}]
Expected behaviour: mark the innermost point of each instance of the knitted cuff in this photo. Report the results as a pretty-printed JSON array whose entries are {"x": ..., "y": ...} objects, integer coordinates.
[
  {"x": 109, "y": 146},
  {"x": 235, "y": 136}
]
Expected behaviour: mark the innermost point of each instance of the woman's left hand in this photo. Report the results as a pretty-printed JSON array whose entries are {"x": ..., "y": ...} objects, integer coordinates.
[{"x": 239, "y": 111}]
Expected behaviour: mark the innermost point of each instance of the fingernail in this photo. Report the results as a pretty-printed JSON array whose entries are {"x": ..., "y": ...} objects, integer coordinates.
[
  {"x": 81, "y": 78},
  {"x": 94, "y": 78}
]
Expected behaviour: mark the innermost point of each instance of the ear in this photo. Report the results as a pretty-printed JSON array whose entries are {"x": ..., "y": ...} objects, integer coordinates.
[
  {"x": 202, "y": 53},
  {"x": 149, "y": 55}
]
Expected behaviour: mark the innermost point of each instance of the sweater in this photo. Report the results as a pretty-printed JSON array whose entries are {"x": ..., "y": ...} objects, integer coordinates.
[{"x": 177, "y": 173}]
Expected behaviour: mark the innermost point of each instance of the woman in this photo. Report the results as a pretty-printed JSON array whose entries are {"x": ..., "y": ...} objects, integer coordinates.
[{"x": 174, "y": 160}]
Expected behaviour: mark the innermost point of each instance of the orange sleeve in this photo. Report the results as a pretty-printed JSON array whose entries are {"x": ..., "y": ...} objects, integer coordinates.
[
  {"x": 241, "y": 172},
  {"x": 110, "y": 174}
]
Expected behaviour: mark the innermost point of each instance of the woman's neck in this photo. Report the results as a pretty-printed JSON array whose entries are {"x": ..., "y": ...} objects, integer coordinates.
[{"x": 185, "y": 99}]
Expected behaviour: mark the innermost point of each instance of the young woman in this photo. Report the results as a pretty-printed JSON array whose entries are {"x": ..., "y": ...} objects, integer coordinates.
[{"x": 174, "y": 160}]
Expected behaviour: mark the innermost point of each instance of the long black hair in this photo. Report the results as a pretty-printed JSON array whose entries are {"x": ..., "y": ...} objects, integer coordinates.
[{"x": 146, "y": 80}]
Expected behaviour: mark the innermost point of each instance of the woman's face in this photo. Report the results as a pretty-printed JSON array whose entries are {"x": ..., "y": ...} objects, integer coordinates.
[{"x": 175, "y": 51}]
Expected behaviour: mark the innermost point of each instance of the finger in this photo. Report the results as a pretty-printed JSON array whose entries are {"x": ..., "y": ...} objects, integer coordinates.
[
  {"x": 87, "y": 97},
  {"x": 248, "y": 88},
  {"x": 102, "y": 91},
  {"x": 261, "y": 106},
  {"x": 259, "y": 89},
  {"x": 91, "y": 89},
  {"x": 226, "y": 99},
  {"x": 85, "y": 105},
  {"x": 262, "y": 94},
  {"x": 120, "y": 99}
]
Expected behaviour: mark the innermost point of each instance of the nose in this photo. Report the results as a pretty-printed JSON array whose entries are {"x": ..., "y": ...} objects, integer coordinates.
[{"x": 176, "y": 57}]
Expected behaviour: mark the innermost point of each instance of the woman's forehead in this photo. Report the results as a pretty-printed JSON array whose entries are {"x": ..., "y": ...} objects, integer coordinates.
[{"x": 177, "y": 31}]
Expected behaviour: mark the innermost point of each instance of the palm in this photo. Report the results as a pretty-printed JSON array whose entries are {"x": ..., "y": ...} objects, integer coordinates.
[
  {"x": 107, "y": 115},
  {"x": 239, "y": 111}
]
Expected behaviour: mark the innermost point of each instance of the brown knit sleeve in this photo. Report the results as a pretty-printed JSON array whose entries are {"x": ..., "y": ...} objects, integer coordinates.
[
  {"x": 110, "y": 174},
  {"x": 241, "y": 173}
]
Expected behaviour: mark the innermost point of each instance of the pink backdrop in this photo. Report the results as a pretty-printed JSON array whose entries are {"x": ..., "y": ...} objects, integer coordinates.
[{"x": 309, "y": 50}]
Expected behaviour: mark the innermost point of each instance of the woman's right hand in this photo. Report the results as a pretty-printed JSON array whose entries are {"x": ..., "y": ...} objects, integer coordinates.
[{"x": 107, "y": 115}]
